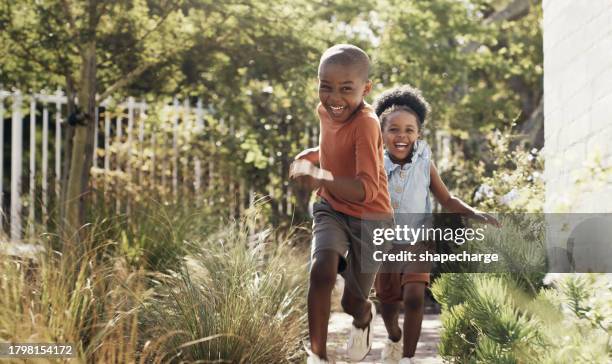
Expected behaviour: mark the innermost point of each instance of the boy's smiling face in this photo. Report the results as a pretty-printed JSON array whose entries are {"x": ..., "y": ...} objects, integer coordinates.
[{"x": 342, "y": 89}]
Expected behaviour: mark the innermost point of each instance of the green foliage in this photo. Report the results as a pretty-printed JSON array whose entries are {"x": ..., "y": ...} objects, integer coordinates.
[
  {"x": 473, "y": 70},
  {"x": 508, "y": 180},
  {"x": 517, "y": 181},
  {"x": 238, "y": 294},
  {"x": 238, "y": 299},
  {"x": 154, "y": 234},
  {"x": 488, "y": 319},
  {"x": 254, "y": 66},
  {"x": 82, "y": 294}
]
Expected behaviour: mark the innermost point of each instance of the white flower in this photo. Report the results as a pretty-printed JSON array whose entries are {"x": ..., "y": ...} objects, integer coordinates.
[
  {"x": 536, "y": 175},
  {"x": 483, "y": 191},
  {"x": 509, "y": 197}
]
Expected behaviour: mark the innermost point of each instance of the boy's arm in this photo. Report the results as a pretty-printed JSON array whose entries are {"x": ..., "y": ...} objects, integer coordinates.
[
  {"x": 311, "y": 177},
  {"x": 368, "y": 161},
  {"x": 346, "y": 188},
  {"x": 452, "y": 203},
  {"x": 364, "y": 187}
]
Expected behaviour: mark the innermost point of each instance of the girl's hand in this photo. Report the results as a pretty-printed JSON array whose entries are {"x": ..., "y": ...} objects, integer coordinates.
[{"x": 486, "y": 218}]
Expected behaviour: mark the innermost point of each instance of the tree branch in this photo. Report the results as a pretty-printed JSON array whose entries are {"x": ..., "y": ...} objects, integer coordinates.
[
  {"x": 127, "y": 79},
  {"x": 71, "y": 22},
  {"x": 154, "y": 29},
  {"x": 513, "y": 11},
  {"x": 28, "y": 55}
]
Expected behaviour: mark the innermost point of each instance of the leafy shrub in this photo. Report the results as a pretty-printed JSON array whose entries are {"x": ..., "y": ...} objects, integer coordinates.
[{"x": 487, "y": 318}]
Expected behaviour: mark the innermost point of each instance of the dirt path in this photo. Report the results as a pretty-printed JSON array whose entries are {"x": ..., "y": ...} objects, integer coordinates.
[{"x": 426, "y": 353}]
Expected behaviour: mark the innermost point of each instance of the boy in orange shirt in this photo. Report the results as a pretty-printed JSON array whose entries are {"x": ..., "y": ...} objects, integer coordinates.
[{"x": 354, "y": 200}]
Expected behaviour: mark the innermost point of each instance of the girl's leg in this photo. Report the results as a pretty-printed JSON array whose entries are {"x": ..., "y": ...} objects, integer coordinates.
[
  {"x": 322, "y": 280},
  {"x": 414, "y": 302},
  {"x": 390, "y": 315}
]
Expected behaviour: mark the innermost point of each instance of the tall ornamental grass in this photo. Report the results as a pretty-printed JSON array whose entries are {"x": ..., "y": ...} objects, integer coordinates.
[
  {"x": 239, "y": 298},
  {"x": 194, "y": 291}
]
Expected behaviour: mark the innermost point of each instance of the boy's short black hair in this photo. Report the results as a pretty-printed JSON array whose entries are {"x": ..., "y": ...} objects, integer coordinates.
[
  {"x": 347, "y": 55},
  {"x": 403, "y": 97}
]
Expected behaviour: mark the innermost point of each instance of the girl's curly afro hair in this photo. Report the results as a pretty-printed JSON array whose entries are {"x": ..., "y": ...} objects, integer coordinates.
[{"x": 403, "y": 97}]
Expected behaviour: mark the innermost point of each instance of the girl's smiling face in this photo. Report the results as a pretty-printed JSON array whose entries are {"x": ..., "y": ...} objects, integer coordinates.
[{"x": 401, "y": 131}]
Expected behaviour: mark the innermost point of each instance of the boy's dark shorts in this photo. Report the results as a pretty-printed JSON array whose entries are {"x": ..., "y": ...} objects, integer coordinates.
[{"x": 352, "y": 239}]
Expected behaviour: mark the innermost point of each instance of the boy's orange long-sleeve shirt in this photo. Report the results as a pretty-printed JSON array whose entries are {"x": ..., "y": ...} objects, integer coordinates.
[{"x": 354, "y": 149}]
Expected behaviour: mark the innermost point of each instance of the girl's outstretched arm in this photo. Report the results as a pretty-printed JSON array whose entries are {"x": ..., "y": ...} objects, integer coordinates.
[{"x": 452, "y": 203}]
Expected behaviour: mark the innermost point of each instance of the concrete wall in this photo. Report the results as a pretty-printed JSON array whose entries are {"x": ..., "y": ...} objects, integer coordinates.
[{"x": 578, "y": 105}]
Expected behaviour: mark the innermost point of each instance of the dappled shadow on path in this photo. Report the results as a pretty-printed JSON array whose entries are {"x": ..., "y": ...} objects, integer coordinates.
[{"x": 427, "y": 352}]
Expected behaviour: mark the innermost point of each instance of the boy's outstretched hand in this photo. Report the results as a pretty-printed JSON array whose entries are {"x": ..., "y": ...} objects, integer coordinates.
[
  {"x": 310, "y": 154},
  {"x": 307, "y": 176}
]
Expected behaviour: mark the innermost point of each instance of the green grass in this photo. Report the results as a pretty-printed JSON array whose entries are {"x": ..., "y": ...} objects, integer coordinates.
[
  {"x": 165, "y": 285},
  {"x": 240, "y": 298}
]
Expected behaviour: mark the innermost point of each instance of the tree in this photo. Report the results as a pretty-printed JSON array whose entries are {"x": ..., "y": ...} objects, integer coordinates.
[
  {"x": 76, "y": 44},
  {"x": 478, "y": 62}
]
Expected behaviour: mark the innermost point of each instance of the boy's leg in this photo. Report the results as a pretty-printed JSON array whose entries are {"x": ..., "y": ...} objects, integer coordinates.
[
  {"x": 322, "y": 279},
  {"x": 357, "y": 306},
  {"x": 390, "y": 315},
  {"x": 361, "y": 269},
  {"x": 329, "y": 246},
  {"x": 414, "y": 302}
]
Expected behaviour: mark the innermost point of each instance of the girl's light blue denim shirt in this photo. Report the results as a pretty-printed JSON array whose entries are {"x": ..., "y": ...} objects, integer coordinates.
[{"x": 409, "y": 187}]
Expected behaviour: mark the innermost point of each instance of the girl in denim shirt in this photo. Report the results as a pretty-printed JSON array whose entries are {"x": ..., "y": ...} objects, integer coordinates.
[{"x": 412, "y": 176}]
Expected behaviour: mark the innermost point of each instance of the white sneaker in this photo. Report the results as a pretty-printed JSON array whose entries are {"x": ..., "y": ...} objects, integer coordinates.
[
  {"x": 392, "y": 352},
  {"x": 405, "y": 361},
  {"x": 314, "y": 359},
  {"x": 360, "y": 340}
]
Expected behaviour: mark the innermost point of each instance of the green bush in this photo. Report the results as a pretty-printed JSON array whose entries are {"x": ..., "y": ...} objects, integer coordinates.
[
  {"x": 239, "y": 298},
  {"x": 237, "y": 291},
  {"x": 488, "y": 318}
]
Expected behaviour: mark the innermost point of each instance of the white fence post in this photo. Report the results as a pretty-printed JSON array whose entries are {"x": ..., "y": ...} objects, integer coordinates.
[
  {"x": 58, "y": 141},
  {"x": 128, "y": 167},
  {"x": 32, "y": 216},
  {"x": 16, "y": 158},
  {"x": 153, "y": 166},
  {"x": 164, "y": 160},
  {"x": 175, "y": 147},
  {"x": 45, "y": 162},
  {"x": 141, "y": 137},
  {"x": 117, "y": 144},
  {"x": 130, "y": 129},
  {"x": 107, "y": 125},
  {"x": 187, "y": 126},
  {"x": 197, "y": 182}
]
